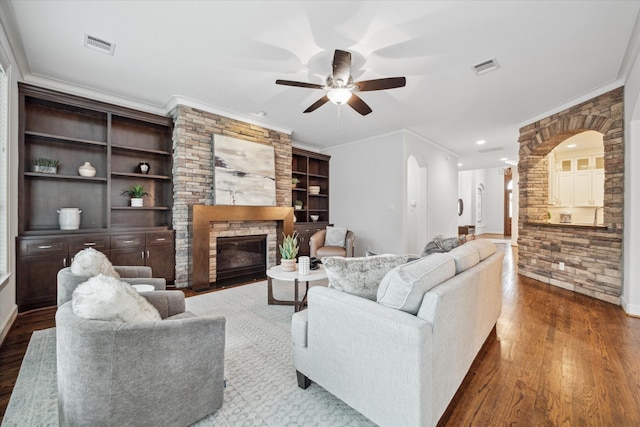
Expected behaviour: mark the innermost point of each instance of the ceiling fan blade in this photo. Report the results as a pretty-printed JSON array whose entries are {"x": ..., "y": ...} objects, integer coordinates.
[
  {"x": 298, "y": 84},
  {"x": 380, "y": 84},
  {"x": 319, "y": 103},
  {"x": 359, "y": 105},
  {"x": 342, "y": 66}
]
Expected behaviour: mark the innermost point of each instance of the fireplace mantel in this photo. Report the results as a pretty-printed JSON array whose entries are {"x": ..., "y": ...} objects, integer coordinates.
[{"x": 204, "y": 215}]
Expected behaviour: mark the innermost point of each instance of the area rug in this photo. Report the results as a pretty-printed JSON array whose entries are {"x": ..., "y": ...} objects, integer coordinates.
[{"x": 261, "y": 383}]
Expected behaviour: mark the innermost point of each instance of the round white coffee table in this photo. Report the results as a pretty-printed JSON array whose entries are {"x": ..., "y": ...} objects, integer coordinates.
[{"x": 293, "y": 276}]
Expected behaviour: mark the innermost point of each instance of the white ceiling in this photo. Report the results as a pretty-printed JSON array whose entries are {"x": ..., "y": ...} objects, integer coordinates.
[{"x": 227, "y": 55}]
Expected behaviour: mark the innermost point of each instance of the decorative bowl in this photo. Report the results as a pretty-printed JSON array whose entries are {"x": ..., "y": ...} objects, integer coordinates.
[
  {"x": 314, "y": 218},
  {"x": 314, "y": 189}
]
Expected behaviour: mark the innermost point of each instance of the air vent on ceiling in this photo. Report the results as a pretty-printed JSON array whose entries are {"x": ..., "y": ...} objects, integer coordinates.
[
  {"x": 100, "y": 45},
  {"x": 486, "y": 66},
  {"x": 491, "y": 150}
]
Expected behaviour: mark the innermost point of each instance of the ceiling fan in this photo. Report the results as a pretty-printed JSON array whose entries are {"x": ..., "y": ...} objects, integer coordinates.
[{"x": 340, "y": 86}]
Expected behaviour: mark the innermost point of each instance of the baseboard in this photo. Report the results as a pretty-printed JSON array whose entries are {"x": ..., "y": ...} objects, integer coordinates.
[
  {"x": 8, "y": 324},
  {"x": 630, "y": 309}
]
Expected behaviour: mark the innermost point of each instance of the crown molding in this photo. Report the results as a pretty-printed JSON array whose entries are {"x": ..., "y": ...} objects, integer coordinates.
[{"x": 189, "y": 102}]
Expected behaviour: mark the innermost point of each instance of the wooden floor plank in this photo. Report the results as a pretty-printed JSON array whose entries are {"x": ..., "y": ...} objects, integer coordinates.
[{"x": 555, "y": 358}]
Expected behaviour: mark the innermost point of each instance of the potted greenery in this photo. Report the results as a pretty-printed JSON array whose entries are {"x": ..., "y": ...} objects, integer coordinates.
[
  {"x": 294, "y": 182},
  {"x": 136, "y": 192},
  {"x": 289, "y": 251},
  {"x": 297, "y": 205},
  {"x": 43, "y": 165}
]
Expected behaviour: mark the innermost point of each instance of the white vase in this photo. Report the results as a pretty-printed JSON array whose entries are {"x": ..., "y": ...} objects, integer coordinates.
[
  {"x": 87, "y": 170},
  {"x": 136, "y": 202}
]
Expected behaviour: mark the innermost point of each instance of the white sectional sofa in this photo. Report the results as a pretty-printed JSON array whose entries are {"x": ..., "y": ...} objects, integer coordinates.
[{"x": 400, "y": 364}]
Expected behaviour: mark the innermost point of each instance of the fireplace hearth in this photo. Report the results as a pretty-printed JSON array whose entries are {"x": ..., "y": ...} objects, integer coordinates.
[{"x": 240, "y": 259}]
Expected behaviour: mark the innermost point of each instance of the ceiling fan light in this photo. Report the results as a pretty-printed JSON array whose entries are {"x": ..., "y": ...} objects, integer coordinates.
[{"x": 339, "y": 96}]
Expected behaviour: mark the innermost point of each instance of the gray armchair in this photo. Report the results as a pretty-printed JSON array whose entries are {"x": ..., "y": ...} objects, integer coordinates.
[
  {"x": 134, "y": 275},
  {"x": 165, "y": 373},
  {"x": 319, "y": 250}
]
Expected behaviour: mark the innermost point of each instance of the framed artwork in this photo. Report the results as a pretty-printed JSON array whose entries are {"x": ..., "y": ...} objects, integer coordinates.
[{"x": 244, "y": 172}]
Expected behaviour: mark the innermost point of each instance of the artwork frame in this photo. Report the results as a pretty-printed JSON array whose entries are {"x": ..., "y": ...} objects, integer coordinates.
[{"x": 244, "y": 172}]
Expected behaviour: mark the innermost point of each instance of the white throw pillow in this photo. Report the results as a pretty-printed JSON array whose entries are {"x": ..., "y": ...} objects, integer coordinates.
[
  {"x": 404, "y": 286},
  {"x": 360, "y": 276},
  {"x": 335, "y": 236},
  {"x": 90, "y": 262},
  {"x": 107, "y": 298}
]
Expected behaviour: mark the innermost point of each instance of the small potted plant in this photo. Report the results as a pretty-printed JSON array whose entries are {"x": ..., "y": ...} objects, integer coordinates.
[
  {"x": 136, "y": 192},
  {"x": 43, "y": 165},
  {"x": 294, "y": 182},
  {"x": 297, "y": 205},
  {"x": 288, "y": 252}
]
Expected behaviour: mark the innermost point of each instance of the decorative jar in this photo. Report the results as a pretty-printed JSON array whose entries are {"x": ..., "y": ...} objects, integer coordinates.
[
  {"x": 87, "y": 170},
  {"x": 69, "y": 218}
]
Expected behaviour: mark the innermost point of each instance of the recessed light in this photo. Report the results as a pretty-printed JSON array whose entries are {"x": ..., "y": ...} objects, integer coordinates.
[
  {"x": 261, "y": 114},
  {"x": 571, "y": 146},
  {"x": 459, "y": 164},
  {"x": 503, "y": 159},
  {"x": 480, "y": 142}
]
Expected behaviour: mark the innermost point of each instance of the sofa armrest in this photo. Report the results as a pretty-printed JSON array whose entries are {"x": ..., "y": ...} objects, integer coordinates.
[
  {"x": 355, "y": 344},
  {"x": 316, "y": 241},
  {"x": 168, "y": 303},
  {"x": 131, "y": 271},
  {"x": 158, "y": 283},
  {"x": 350, "y": 242}
]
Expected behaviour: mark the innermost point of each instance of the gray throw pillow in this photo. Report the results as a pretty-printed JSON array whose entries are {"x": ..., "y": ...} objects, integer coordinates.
[
  {"x": 335, "y": 236},
  {"x": 360, "y": 276}
]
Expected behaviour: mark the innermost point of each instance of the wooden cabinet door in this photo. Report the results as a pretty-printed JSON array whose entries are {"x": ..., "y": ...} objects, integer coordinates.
[
  {"x": 160, "y": 259},
  {"x": 37, "y": 284},
  {"x": 128, "y": 257}
]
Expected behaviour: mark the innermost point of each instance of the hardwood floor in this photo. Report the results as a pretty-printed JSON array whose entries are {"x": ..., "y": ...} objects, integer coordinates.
[{"x": 556, "y": 358}]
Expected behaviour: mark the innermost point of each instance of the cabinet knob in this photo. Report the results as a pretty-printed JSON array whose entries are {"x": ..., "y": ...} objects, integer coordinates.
[
  {"x": 127, "y": 241},
  {"x": 89, "y": 243},
  {"x": 44, "y": 247},
  {"x": 160, "y": 239},
  {"x": 142, "y": 253},
  {"x": 64, "y": 261}
]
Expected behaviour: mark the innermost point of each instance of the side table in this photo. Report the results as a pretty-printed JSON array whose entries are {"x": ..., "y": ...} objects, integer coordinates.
[{"x": 293, "y": 276}]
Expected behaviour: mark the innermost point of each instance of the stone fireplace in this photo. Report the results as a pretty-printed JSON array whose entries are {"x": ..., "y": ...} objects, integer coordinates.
[{"x": 193, "y": 185}]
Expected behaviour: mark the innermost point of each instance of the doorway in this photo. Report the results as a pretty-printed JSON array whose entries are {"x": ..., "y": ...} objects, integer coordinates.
[{"x": 508, "y": 201}]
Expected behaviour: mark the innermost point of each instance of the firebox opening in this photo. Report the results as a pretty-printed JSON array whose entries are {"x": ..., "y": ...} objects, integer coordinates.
[{"x": 240, "y": 259}]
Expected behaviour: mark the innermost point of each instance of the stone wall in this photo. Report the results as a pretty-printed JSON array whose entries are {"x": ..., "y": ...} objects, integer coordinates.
[
  {"x": 592, "y": 255},
  {"x": 193, "y": 170}
]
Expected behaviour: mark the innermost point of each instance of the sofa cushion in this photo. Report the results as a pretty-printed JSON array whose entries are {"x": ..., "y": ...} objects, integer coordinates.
[
  {"x": 107, "y": 298},
  {"x": 485, "y": 247},
  {"x": 404, "y": 286},
  {"x": 360, "y": 276},
  {"x": 90, "y": 262},
  {"x": 335, "y": 236},
  {"x": 465, "y": 257}
]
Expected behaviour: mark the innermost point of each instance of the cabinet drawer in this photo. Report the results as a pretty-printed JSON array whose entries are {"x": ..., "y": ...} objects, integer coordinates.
[
  {"x": 42, "y": 246},
  {"x": 162, "y": 238},
  {"x": 100, "y": 243},
  {"x": 128, "y": 241}
]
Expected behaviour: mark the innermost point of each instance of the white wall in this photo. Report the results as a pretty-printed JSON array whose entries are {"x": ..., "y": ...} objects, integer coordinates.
[
  {"x": 631, "y": 276},
  {"x": 366, "y": 192},
  {"x": 442, "y": 186},
  {"x": 8, "y": 307},
  {"x": 369, "y": 191},
  {"x": 492, "y": 220}
]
